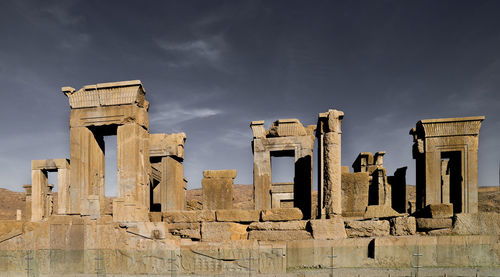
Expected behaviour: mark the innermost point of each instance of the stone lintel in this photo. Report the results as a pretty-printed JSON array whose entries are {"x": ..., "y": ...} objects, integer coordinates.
[
  {"x": 453, "y": 119},
  {"x": 443, "y": 127},
  {"x": 107, "y": 94},
  {"x": 109, "y": 115},
  {"x": 50, "y": 164},
  {"x": 114, "y": 84}
]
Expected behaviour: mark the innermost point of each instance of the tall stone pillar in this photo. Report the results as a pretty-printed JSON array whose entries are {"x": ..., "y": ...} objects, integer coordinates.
[
  {"x": 63, "y": 179},
  {"x": 27, "y": 214},
  {"x": 261, "y": 177},
  {"x": 87, "y": 171},
  {"x": 133, "y": 164},
  {"x": 332, "y": 171},
  {"x": 167, "y": 153},
  {"x": 172, "y": 185},
  {"x": 39, "y": 187}
]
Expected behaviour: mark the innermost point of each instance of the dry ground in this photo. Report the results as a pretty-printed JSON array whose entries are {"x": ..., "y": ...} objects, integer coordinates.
[{"x": 10, "y": 201}]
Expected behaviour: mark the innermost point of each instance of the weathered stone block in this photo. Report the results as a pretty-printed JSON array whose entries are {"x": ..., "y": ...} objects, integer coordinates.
[
  {"x": 354, "y": 193},
  {"x": 439, "y": 210},
  {"x": 289, "y": 235},
  {"x": 369, "y": 228},
  {"x": 380, "y": 211},
  {"x": 283, "y": 214},
  {"x": 328, "y": 228},
  {"x": 278, "y": 226},
  {"x": 477, "y": 224},
  {"x": 237, "y": 215},
  {"x": 217, "y": 193},
  {"x": 403, "y": 226},
  {"x": 228, "y": 173},
  {"x": 433, "y": 223},
  {"x": 188, "y": 216},
  {"x": 223, "y": 231},
  {"x": 440, "y": 232}
]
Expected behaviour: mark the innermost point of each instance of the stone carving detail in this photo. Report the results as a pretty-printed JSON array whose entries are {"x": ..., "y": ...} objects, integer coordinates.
[{"x": 41, "y": 198}]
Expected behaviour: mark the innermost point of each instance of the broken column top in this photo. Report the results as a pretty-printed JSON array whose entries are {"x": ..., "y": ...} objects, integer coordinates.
[
  {"x": 442, "y": 127},
  {"x": 281, "y": 128},
  {"x": 227, "y": 173},
  {"x": 107, "y": 94},
  {"x": 329, "y": 121}
]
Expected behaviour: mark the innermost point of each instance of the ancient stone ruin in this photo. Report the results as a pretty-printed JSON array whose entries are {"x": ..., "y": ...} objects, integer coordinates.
[{"x": 362, "y": 218}]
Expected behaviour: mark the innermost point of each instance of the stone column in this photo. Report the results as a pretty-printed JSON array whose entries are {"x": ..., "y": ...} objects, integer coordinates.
[
  {"x": 332, "y": 163},
  {"x": 38, "y": 194}
]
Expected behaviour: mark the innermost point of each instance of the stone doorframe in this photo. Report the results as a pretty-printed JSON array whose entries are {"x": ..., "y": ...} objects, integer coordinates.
[
  {"x": 105, "y": 109},
  {"x": 284, "y": 137},
  {"x": 432, "y": 138},
  {"x": 40, "y": 190}
]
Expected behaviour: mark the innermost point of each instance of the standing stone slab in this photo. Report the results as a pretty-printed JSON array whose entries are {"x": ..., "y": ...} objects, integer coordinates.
[
  {"x": 355, "y": 193},
  {"x": 218, "y": 189}
]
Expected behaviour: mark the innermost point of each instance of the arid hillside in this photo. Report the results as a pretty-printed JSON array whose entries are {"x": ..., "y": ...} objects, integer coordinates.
[{"x": 10, "y": 201}]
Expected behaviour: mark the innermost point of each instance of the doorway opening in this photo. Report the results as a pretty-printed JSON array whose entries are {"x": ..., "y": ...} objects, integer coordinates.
[{"x": 451, "y": 179}]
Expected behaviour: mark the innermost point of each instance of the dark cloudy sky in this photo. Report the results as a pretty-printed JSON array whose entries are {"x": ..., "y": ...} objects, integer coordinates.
[{"x": 211, "y": 67}]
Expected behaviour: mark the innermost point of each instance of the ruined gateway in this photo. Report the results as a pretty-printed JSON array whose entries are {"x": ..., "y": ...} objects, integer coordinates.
[{"x": 360, "y": 219}]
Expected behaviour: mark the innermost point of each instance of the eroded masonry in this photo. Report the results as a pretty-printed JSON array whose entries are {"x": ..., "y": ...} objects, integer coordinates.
[{"x": 362, "y": 215}]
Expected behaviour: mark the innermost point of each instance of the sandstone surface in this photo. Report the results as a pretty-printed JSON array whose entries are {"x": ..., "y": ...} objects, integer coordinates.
[
  {"x": 283, "y": 214},
  {"x": 368, "y": 228},
  {"x": 328, "y": 228},
  {"x": 403, "y": 226}
]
